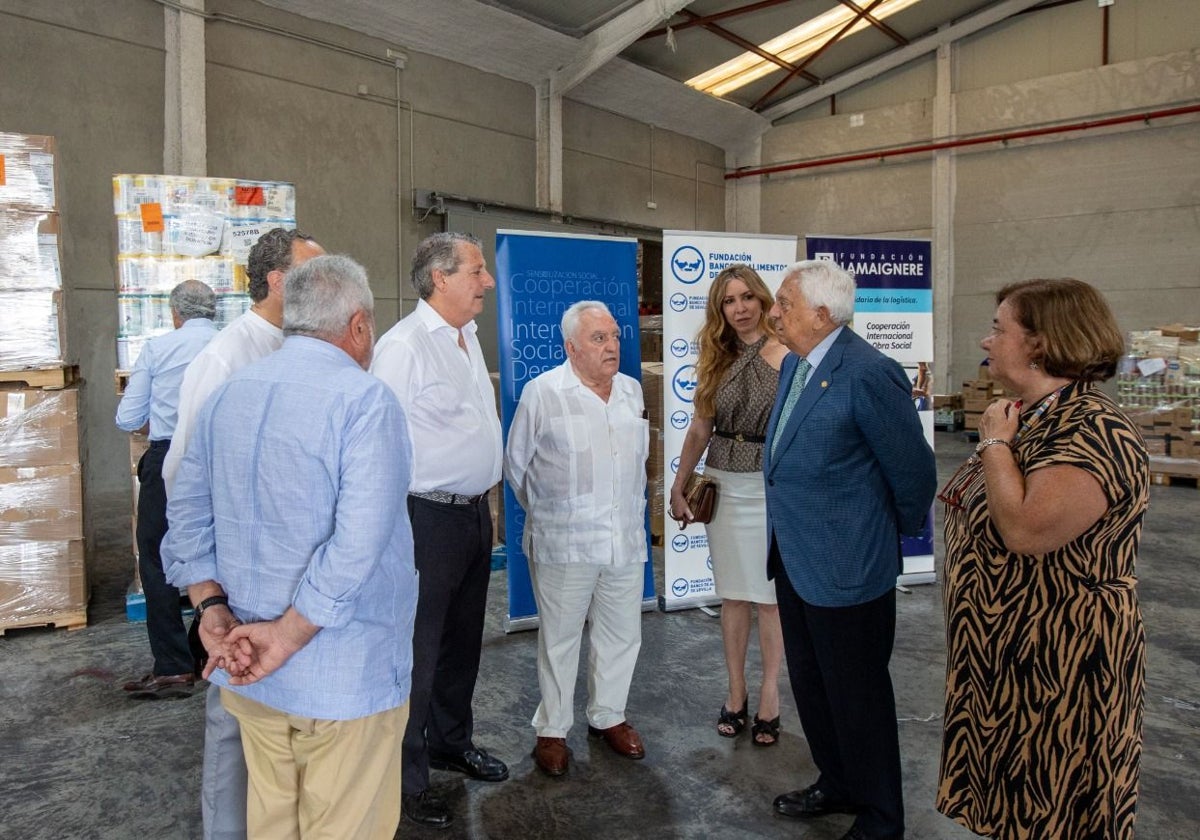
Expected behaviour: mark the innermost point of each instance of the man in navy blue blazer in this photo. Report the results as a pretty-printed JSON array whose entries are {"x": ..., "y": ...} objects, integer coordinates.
[{"x": 848, "y": 470}]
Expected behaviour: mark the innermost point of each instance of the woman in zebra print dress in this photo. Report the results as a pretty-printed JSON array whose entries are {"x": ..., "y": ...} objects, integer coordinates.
[{"x": 1045, "y": 660}]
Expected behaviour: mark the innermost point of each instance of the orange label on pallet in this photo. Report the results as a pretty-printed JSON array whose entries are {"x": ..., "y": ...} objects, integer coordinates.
[
  {"x": 152, "y": 218},
  {"x": 249, "y": 196},
  {"x": 2, "y": 182}
]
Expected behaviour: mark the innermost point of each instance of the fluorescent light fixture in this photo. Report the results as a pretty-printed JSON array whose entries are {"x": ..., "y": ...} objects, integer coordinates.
[{"x": 792, "y": 46}]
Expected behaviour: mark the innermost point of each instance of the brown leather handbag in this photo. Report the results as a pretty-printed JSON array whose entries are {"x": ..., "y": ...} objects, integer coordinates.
[{"x": 700, "y": 493}]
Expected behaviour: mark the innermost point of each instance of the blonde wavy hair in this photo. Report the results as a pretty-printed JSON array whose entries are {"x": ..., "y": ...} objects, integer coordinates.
[{"x": 718, "y": 340}]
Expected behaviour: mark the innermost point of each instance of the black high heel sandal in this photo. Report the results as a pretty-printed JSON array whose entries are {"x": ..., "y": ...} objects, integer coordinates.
[
  {"x": 769, "y": 728},
  {"x": 736, "y": 721}
]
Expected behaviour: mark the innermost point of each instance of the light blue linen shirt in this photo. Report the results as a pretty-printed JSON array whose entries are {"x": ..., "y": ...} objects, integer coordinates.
[
  {"x": 153, "y": 389},
  {"x": 292, "y": 493}
]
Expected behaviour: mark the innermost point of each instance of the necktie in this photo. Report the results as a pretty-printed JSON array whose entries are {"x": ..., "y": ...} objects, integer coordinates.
[{"x": 789, "y": 403}]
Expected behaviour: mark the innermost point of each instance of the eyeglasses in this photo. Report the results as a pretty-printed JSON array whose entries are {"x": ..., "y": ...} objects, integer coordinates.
[{"x": 962, "y": 481}]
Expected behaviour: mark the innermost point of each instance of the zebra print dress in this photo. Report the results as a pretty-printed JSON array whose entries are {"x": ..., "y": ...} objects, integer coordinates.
[{"x": 1045, "y": 659}]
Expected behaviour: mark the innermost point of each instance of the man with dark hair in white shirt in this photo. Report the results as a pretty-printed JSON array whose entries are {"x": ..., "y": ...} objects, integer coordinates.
[{"x": 433, "y": 362}]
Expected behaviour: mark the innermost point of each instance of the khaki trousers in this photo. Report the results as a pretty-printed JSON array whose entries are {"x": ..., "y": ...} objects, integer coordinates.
[{"x": 328, "y": 779}]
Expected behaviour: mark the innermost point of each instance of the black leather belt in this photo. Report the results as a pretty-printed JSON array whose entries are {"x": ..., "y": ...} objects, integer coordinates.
[
  {"x": 165, "y": 443},
  {"x": 740, "y": 438},
  {"x": 449, "y": 498}
]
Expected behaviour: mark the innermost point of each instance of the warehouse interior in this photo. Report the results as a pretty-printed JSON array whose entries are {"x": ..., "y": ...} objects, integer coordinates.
[{"x": 1024, "y": 138}]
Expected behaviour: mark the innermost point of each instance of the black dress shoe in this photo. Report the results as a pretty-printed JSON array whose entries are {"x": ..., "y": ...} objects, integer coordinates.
[
  {"x": 810, "y": 802},
  {"x": 425, "y": 809},
  {"x": 475, "y": 762}
]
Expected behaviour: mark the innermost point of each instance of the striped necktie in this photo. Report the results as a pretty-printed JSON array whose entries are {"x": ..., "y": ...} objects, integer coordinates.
[{"x": 793, "y": 396}]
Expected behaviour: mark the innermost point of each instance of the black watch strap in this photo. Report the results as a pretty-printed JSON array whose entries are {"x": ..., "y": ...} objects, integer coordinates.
[{"x": 211, "y": 601}]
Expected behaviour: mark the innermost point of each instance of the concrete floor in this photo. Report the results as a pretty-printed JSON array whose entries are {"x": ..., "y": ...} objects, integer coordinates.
[{"x": 80, "y": 760}]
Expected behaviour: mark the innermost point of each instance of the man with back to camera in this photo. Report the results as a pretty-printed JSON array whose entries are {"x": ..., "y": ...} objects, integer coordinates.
[
  {"x": 288, "y": 511},
  {"x": 251, "y": 336},
  {"x": 151, "y": 400},
  {"x": 848, "y": 470},
  {"x": 576, "y": 462},
  {"x": 433, "y": 362}
]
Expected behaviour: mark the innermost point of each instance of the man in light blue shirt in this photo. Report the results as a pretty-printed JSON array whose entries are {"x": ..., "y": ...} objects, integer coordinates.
[
  {"x": 289, "y": 508},
  {"x": 152, "y": 399}
]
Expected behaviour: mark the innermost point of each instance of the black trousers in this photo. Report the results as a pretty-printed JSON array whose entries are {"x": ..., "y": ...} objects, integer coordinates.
[
  {"x": 837, "y": 661},
  {"x": 453, "y": 551},
  {"x": 164, "y": 624}
]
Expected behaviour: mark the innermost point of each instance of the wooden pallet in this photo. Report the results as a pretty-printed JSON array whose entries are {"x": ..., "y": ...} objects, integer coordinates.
[
  {"x": 67, "y": 620},
  {"x": 48, "y": 379},
  {"x": 1174, "y": 479}
]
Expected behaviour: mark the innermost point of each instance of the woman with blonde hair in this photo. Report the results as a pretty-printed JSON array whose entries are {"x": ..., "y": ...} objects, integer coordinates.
[{"x": 737, "y": 374}]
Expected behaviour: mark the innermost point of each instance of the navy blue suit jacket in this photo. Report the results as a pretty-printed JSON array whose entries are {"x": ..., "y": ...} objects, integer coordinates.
[{"x": 852, "y": 472}]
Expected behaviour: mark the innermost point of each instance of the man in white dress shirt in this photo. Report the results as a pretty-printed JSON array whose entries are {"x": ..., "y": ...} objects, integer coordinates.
[
  {"x": 247, "y": 339},
  {"x": 433, "y": 362},
  {"x": 576, "y": 462}
]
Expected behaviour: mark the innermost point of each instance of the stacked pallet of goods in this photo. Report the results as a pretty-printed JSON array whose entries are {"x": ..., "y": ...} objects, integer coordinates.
[
  {"x": 1158, "y": 386},
  {"x": 42, "y": 566},
  {"x": 977, "y": 395},
  {"x": 172, "y": 228}
]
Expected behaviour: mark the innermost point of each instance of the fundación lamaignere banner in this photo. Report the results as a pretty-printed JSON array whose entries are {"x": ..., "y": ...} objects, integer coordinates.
[
  {"x": 539, "y": 275},
  {"x": 893, "y": 310},
  {"x": 691, "y": 260}
]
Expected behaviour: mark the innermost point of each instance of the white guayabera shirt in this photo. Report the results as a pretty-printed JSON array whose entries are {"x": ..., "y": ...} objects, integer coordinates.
[{"x": 578, "y": 466}]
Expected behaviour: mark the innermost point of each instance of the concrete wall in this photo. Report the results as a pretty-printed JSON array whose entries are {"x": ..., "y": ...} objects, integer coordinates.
[
  {"x": 322, "y": 107},
  {"x": 1117, "y": 207}
]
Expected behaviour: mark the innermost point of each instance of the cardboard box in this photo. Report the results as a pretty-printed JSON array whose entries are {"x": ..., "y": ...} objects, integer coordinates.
[
  {"x": 971, "y": 420},
  {"x": 950, "y": 401},
  {"x": 652, "y": 392},
  {"x": 33, "y": 329},
  {"x": 977, "y": 403},
  {"x": 39, "y": 428},
  {"x": 41, "y": 580},
  {"x": 1181, "y": 417},
  {"x": 29, "y": 171},
  {"x": 41, "y": 504},
  {"x": 1181, "y": 332},
  {"x": 948, "y": 419}
]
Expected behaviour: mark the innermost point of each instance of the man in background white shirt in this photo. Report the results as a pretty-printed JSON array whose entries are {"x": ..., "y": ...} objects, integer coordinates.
[
  {"x": 576, "y": 462},
  {"x": 247, "y": 339},
  {"x": 433, "y": 362}
]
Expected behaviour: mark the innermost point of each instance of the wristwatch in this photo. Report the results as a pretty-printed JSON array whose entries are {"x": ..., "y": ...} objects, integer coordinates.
[
  {"x": 984, "y": 444},
  {"x": 211, "y": 601}
]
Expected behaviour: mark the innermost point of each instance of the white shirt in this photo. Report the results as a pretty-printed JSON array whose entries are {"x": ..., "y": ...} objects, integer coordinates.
[
  {"x": 448, "y": 401},
  {"x": 578, "y": 466},
  {"x": 247, "y": 339}
]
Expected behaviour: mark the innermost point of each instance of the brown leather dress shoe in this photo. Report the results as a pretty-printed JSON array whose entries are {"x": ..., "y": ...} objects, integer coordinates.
[
  {"x": 153, "y": 686},
  {"x": 551, "y": 755},
  {"x": 622, "y": 738}
]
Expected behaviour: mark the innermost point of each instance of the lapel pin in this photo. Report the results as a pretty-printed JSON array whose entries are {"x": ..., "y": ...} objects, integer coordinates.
[{"x": 824, "y": 383}]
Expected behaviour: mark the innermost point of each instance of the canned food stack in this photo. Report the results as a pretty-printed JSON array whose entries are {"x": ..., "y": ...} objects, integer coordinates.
[
  {"x": 172, "y": 228},
  {"x": 1158, "y": 386}
]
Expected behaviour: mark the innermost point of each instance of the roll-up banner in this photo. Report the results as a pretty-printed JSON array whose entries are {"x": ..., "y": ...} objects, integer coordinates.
[
  {"x": 691, "y": 260},
  {"x": 539, "y": 275},
  {"x": 893, "y": 310}
]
